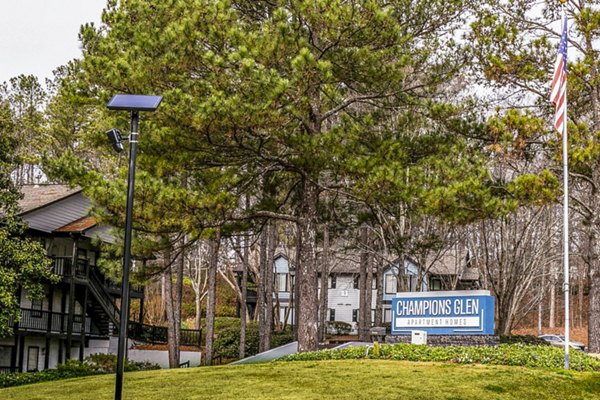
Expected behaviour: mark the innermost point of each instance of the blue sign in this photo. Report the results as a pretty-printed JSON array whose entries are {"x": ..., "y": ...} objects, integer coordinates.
[{"x": 462, "y": 312}]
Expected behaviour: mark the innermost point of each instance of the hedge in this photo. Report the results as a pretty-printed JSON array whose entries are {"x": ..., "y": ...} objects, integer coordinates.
[{"x": 505, "y": 354}]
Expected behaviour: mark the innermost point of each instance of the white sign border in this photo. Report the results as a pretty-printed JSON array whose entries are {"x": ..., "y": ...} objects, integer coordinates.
[{"x": 453, "y": 293}]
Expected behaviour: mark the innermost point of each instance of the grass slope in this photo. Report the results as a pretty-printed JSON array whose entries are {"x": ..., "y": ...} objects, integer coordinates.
[{"x": 347, "y": 379}]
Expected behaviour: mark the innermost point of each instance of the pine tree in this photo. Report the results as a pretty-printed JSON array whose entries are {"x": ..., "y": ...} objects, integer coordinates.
[{"x": 314, "y": 96}]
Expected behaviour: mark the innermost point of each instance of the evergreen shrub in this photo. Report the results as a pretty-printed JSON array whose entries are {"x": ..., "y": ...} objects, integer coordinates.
[
  {"x": 227, "y": 342},
  {"x": 284, "y": 337}
]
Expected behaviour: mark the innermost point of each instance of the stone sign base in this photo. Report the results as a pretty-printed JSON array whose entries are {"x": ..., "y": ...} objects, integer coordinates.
[{"x": 449, "y": 340}]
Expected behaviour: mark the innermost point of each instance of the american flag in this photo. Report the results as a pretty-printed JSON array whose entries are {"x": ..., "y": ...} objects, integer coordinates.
[{"x": 559, "y": 83}]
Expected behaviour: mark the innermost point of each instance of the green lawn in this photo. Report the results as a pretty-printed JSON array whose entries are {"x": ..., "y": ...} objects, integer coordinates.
[{"x": 347, "y": 379}]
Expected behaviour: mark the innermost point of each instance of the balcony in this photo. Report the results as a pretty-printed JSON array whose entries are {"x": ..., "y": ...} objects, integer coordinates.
[
  {"x": 63, "y": 266},
  {"x": 53, "y": 322}
]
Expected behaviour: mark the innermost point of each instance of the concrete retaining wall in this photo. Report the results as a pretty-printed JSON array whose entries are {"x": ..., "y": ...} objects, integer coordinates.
[{"x": 161, "y": 357}]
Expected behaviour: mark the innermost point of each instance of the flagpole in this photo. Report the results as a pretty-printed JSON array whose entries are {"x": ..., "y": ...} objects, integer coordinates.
[{"x": 566, "y": 218}]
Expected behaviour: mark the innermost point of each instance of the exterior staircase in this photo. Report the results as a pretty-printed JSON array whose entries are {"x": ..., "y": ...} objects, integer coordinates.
[{"x": 103, "y": 310}]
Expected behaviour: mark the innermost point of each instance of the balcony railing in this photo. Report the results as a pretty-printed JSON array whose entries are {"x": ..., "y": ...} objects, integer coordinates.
[
  {"x": 159, "y": 334},
  {"x": 53, "y": 322},
  {"x": 63, "y": 267}
]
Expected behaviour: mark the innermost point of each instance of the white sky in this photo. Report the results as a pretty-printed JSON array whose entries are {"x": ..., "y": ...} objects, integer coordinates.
[{"x": 36, "y": 36}]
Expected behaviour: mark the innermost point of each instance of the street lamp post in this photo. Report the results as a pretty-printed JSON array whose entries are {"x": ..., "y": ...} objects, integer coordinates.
[{"x": 134, "y": 104}]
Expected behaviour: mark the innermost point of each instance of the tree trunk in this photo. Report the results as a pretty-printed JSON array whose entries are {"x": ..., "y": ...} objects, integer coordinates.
[
  {"x": 324, "y": 287},
  {"x": 540, "y": 328},
  {"x": 308, "y": 333},
  {"x": 263, "y": 328},
  {"x": 580, "y": 288},
  {"x": 267, "y": 248},
  {"x": 295, "y": 289},
  {"x": 173, "y": 306},
  {"x": 594, "y": 312},
  {"x": 594, "y": 309},
  {"x": 292, "y": 314},
  {"x": 198, "y": 316},
  {"x": 172, "y": 344},
  {"x": 211, "y": 299},
  {"x": 171, "y": 341},
  {"x": 243, "y": 302},
  {"x": 379, "y": 297},
  {"x": 369, "y": 294},
  {"x": 505, "y": 318},
  {"x": 364, "y": 315},
  {"x": 541, "y": 304},
  {"x": 260, "y": 289},
  {"x": 177, "y": 304},
  {"x": 163, "y": 297},
  {"x": 271, "y": 247},
  {"x": 552, "y": 318},
  {"x": 593, "y": 268}
]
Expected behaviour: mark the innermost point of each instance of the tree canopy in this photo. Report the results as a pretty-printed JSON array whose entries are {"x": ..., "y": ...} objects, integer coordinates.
[
  {"x": 289, "y": 104},
  {"x": 23, "y": 262}
]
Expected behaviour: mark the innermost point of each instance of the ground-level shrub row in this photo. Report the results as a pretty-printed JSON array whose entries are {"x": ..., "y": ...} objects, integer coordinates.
[
  {"x": 505, "y": 354},
  {"x": 93, "y": 365}
]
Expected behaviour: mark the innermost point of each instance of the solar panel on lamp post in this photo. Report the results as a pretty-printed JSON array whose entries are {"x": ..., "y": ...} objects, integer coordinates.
[{"x": 133, "y": 103}]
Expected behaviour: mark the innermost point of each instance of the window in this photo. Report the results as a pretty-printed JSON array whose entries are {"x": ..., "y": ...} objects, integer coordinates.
[
  {"x": 435, "y": 284},
  {"x": 409, "y": 283},
  {"x": 355, "y": 315},
  {"x": 332, "y": 282},
  {"x": 33, "y": 353},
  {"x": 387, "y": 315},
  {"x": 373, "y": 282},
  {"x": 282, "y": 283},
  {"x": 36, "y": 308},
  {"x": 332, "y": 314},
  {"x": 282, "y": 313},
  {"x": 391, "y": 286},
  {"x": 5, "y": 354}
]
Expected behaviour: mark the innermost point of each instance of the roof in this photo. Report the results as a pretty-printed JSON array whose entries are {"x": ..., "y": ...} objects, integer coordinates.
[
  {"x": 449, "y": 263},
  {"x": 342, "y": 265},
  {"x": 455, "y": 262},
  {"x": 79, "y": 225},
  {"x": 36, "y": 196},
  {"x": 56, "y": 209}
]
